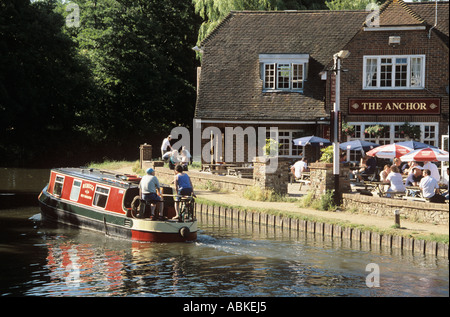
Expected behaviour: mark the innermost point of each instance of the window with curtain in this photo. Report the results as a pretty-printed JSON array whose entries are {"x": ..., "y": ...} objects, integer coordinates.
[
  {"x": 394, "y": 72},
  {"x": 371, "y": 72}
]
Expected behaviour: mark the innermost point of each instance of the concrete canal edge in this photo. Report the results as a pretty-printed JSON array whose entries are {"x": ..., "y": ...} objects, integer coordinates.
[{"x": 365, "y": 237}]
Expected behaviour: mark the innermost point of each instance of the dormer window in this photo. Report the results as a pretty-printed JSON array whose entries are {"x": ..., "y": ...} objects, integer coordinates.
[{"x": 283, "y": 72}]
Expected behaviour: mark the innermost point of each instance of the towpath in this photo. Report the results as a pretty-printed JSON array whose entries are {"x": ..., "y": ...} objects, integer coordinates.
[{"x": 383, "y": 223}]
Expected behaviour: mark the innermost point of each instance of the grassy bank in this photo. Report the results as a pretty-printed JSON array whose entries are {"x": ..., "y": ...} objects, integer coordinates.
[{"x": 344, "y": 224}]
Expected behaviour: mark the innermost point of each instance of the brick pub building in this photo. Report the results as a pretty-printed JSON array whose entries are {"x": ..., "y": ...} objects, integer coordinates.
[{"x": 274, "y": 69}]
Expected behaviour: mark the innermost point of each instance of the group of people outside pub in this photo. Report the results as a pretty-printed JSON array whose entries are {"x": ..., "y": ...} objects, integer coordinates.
[
  {"x": 397, "y": 176},
  {"x": 426, "y": 178}
]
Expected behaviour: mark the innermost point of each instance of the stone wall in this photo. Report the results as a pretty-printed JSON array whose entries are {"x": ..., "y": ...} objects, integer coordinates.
[
  {"x": 417, "y": 211},
  {"x": 322, "y": 178},
  {"x": 366, "y": 239},
  {"x": 277, "y": 180}
]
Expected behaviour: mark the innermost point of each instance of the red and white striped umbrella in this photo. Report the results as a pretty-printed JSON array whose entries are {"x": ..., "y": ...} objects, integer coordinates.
[
  {"x": 425, "y": 155},
  {"x": 389, "y": 151}
]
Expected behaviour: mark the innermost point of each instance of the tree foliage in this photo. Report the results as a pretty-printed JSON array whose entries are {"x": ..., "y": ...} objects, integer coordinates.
[
  {"x": 349, "y": 4},
  {"x": 43, "y": 81},
  {"x": 142, "y": 63},
  {"x": 124, "y": 76}
]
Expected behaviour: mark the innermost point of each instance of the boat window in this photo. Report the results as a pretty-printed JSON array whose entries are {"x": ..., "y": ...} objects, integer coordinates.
[
  {"x": 100, "y": 196},
  {"x": 75, "y": 192},
  {"x": 57, "y": 188}
]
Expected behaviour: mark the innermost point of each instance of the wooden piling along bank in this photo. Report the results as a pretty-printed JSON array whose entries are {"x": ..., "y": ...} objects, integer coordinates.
[{"x": 293, "y": 225}]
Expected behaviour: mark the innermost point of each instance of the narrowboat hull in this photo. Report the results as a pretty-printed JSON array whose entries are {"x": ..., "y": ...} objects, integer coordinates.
[{"x": 59, "y": 210}]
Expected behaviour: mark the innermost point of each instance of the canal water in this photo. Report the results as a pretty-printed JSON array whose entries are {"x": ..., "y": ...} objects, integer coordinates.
[{"x": 226, "y": 261}]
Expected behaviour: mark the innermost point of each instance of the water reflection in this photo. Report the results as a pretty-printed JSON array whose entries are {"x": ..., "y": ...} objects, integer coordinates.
[
  {"x": 221, "y": 263},
  {"x": 23, "y": 179},
  {"x": 229, "y": 259}
]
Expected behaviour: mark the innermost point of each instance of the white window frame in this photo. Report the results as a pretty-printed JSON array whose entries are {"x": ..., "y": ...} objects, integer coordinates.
[
  {"x": 393, "y": 73},
  {"x": 445, "y": 164},
  {"x": 61, "y": 184},
  {"x": 75, "y": 191},
  {"x": 289, "y": 137},
  {"x": 278, "y": 63},
  {"x": 95, "y": 201},
  {"x": 392, "y": 138}
]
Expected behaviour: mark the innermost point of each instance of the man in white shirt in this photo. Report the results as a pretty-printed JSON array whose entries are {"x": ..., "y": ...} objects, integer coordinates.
[
  {"x": 299, "y": 167},
  {"x": 150, "y": 191},
  {"x": 429, "y": 187},
  {"x": 433, "y": 169},
  {"x": 166, "y": 145}
]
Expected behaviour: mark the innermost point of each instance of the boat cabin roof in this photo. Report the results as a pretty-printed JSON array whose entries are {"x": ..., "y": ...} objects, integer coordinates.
[{"x": 101, "y": 176}]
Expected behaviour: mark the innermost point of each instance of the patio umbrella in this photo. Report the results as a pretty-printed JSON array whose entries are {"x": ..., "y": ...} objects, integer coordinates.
[
  {"x": 311, "y": 140},
  {"x": 415, "y": 145},
  {"x": 426, "y": 155},
  {"x": 358, "y": 145},
  {"x": 389, "y": 151}
]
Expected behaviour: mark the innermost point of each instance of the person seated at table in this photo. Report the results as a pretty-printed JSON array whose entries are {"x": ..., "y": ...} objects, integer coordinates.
[
  {"x": 443, "y": 183},
  {"x": 409, "y": 168},
  {"x": 395, "y": 180},
  {"x": 368, "y": 166},
  {"x": 385, "y": 172},
  {"x": 383, "y": 176},
  {"x": 414, "y": 178},
  {"x": 433, "y": 170},
  {"x": 299, "y": 167},
  {"x": 430, "y": 188},
  {"x": 397, "y": 162}
]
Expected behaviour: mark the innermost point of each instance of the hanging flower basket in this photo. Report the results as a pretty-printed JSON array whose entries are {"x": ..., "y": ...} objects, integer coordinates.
[
  {"x": 408, "y": 130},
  {"x": 376, "y": 130},
  {"x": 348, "y": 129}
]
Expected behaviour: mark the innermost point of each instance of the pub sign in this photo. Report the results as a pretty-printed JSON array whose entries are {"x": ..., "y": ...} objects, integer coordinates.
[{"x": 414, "y": 106}]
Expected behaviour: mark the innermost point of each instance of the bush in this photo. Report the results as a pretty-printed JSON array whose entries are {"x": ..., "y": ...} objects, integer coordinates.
[
  {"x": 325, "y": 202},
  {"x": 259, "y": 194},
  {"x": 327, "y": 154}
]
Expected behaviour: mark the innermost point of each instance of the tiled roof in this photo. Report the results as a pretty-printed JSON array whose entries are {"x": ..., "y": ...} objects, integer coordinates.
[
  {"x": 230, "y": 86},
  {"x": 398, "y": 13},
  {"x": 427, "y": 11}
]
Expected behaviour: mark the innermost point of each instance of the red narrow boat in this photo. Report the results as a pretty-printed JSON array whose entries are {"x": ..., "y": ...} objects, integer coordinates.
[{"x": 109, "y": 202}]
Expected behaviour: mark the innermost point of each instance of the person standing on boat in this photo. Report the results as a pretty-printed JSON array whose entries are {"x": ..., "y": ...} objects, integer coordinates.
[
  {"x": 165, "y": 146},
  {"x": 183, "y": 186},
  {"x": 150, "y": 191}
]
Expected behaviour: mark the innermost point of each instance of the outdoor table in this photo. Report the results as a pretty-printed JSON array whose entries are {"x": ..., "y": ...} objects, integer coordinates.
[
  {"x": 303, "y": 179},
  {"x": 376, "y": 186},
  {"x": 240, "y": 171},
  {"x": 219, "y": 168}
]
